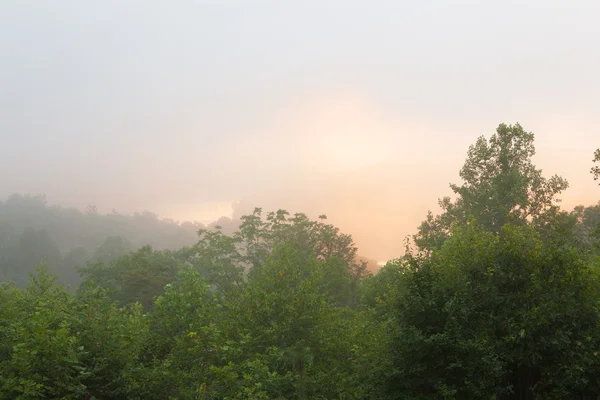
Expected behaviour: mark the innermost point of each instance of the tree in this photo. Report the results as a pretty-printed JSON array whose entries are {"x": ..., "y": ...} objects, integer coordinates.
[
  {"x": 500, "y": 180},
  {"x": 217, "y": 258},
  {"x": 45, "y": 359},
  {"x": 259, "y": 237},
  {"x": 112, "y": 248},
  {"x": 496, "y": 316},
  {"x": 71, "y": 228},
  {"x": 91, "y": 209},
  {"x": 74, "y": 259},
  {"x": 11, "y": 311},
  {"x": 54, "y": 345},
  {"x": 179, "y": 347},
  {"x": 226, "y": 260},
  {"x": 25, "y": 252},
  {"x": 113, "y": 339},
  {"x": 284, "y": 309},
  {"x": 596, "y": 169},
  {"x": 378, "y": 291},
  {"x": 134, "y": 277},
  {"x": 583, "y": 227}
]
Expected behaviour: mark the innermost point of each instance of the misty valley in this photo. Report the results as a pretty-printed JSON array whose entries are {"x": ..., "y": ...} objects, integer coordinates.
[{"x": 495, "y": 297}]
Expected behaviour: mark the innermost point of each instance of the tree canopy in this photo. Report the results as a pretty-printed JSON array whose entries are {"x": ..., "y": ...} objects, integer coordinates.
[
  {"x": 500, "y": 182},
  {"x": 495, "y": 298}
]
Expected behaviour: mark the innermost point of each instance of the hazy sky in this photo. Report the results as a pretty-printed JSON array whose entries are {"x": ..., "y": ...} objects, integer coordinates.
[{"x": 360, "y": 110}]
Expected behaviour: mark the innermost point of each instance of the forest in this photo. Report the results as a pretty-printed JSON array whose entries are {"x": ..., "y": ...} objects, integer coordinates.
[{"x": 495, "y": 297}]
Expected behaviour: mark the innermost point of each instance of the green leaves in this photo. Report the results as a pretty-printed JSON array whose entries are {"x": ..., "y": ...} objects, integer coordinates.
[
  {"x": 501, "y": 302},
  {"x": 499, "y": 182},
  {"x": 45, "y": 360},
  {"x": 226, "y": 262},
  {"x": 134, "y": 277},
  {"x": 493, "y": 315},
  {"x": 595, "y": 171}
]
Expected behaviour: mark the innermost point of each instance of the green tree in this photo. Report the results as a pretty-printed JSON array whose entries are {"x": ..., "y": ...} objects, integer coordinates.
[
  {"x": 378, "y": 291},
  {"x": 187, "y": 353},
  {"x": 112, "y": 248},
  {"x": 225, "y": 261},
  {"x": 499, "y": 180},
  {"x": 112, "y": 338},
  {"x": 585, "y": 226},
  {"x": 134, "y": 277},
  {"x": 45, "y": 359},
  {"x": 178, "y": 349},
  {"x": 496, "y": 316},
  {"x": 217, "y": 258},
  {"x": 11, "y": 311},
  {"x": 72, "y": 261},
  {"x": 596, "y": 169},
  {"x": 26, "y": 251},
  {"x": 259, "y": 237},
  {"x": 286, "y": 315}
]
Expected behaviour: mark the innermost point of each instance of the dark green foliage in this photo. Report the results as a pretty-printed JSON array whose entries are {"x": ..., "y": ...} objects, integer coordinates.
[
  {"x": 502, "y": 316},
  {"x": 500, "y": 181},
  {"x": 135, "y": 277}
]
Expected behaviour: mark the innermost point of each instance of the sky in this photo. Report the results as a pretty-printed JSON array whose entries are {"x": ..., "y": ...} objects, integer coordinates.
[{"x": 359, "y": 110}]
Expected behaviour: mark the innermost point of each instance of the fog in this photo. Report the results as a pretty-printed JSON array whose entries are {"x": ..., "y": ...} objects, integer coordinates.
[{"x": 363, "y": 112}]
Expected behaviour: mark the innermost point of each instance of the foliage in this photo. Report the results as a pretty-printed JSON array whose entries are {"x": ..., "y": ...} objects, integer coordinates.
[
  {"x": 217, "y": 258},
  {"x": 498, "y": 301},
  {"x": 45, "y": 358},
  {"x": 225, "y": 260},
  {"x": 32, "y": 229},
  {"x": 24, "y": 251},
  {"x": 496, "y": 316},
  {"x": 73, "y": 260},
  {"x": 500, "y": 180},
  {"x": 135, "y": 277},
  {"x": 112, "y": 248},
  {"x": 596, "y": 169}
]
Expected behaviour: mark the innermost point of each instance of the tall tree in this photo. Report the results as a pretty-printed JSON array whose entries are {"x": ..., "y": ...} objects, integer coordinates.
[
  {"x": 499, "y": 179},
  {"x": 596, "y": 169}
]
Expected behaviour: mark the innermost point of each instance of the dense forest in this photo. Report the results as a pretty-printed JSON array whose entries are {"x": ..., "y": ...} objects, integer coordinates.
[{"x": 497, "y": 297}]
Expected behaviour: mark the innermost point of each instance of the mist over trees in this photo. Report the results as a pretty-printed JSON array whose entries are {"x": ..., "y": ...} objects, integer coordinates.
[
  {"x": 32, "y": 230},
  {"x": 496, "y": 298},
  {"x": 67, "y": 238}
]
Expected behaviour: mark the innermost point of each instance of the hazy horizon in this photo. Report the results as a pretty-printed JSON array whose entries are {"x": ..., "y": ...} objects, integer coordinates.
[{"x": 364, "y": 114}]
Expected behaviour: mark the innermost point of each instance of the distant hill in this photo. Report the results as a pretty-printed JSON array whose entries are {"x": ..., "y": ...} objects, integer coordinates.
[
  {"x": 71, "y": 228},
  {"x": 32, "y": 230},
  {"x": 65, "y": 238}
]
